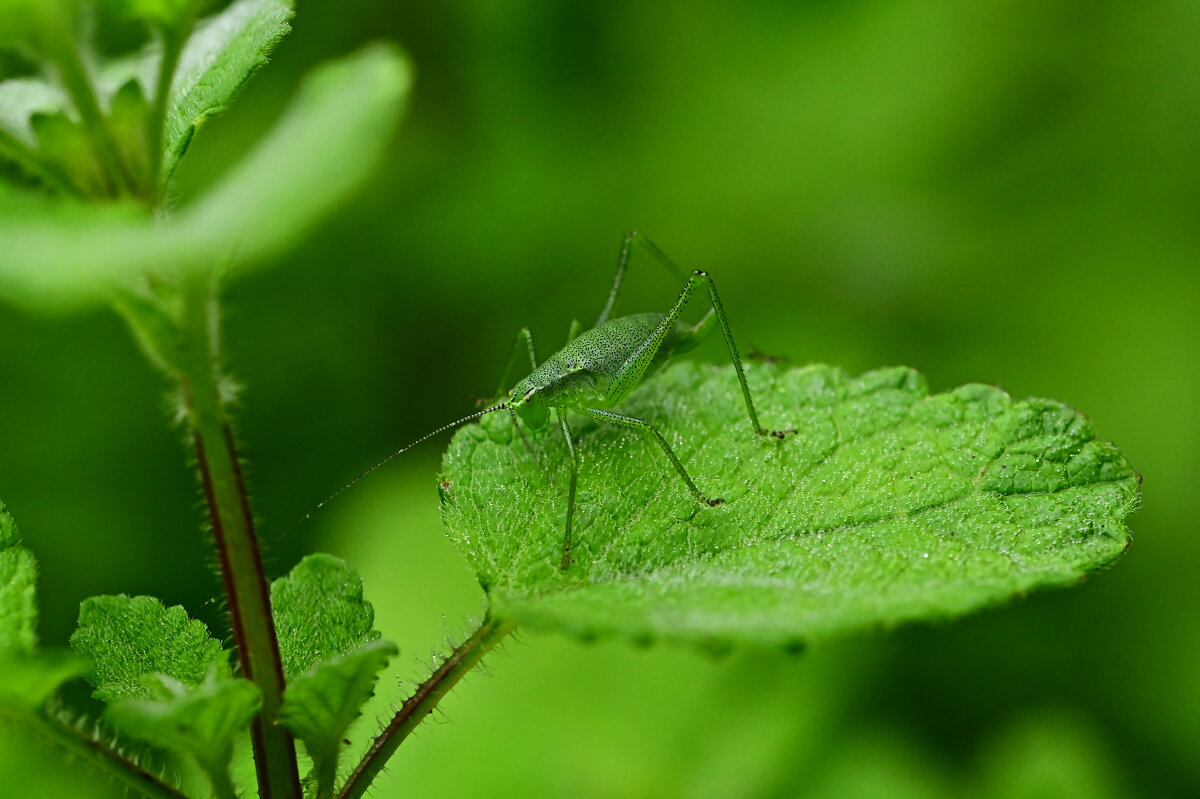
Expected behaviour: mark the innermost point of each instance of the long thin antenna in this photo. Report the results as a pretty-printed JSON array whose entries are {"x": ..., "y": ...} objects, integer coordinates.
[{"x": 420, "y": 440}]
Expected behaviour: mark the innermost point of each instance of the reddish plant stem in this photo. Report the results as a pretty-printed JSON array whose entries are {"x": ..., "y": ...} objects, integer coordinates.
[
  {"x": 238, "y": 552},
  {"x": 414, "y": 710}
]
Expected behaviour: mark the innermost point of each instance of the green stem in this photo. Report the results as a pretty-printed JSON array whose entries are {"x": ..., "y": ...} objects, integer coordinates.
[
  {"x": 237, "y": 547},
  {"x": 97, "y": 754},
  {"x": 414, "y": 710},
  {"x": 79, "y": 85},
  {"x": 326, "y": 776}
]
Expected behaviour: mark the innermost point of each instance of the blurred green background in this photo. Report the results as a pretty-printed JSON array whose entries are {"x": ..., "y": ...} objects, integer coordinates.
[{"x": 1005, "y": 192}]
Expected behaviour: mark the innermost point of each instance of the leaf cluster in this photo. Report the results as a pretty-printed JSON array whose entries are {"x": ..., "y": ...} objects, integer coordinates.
[
  {"x": 88, "y": 145},
  {"x": 167, "y": 682}
]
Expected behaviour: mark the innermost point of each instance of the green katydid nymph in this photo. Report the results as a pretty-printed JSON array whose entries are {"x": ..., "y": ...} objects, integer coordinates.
[{"x": 598, "y": 368}]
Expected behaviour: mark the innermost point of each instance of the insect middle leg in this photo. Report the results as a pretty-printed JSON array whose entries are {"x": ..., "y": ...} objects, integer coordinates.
[{"x": 522, "y": 350}]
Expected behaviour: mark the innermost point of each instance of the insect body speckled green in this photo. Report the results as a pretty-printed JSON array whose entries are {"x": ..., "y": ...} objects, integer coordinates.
[{"x": 598, "y": 368}]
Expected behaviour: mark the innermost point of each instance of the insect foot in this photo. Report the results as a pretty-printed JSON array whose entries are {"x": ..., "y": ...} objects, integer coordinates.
[
  {"x": 714, "y": 502},
  {"x": 782, "y": 433}
]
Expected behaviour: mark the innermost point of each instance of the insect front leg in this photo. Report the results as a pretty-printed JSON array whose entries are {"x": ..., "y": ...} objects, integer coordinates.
[
  {"x": 522, "y": 350},
  {"x": 566, "y": 431}
]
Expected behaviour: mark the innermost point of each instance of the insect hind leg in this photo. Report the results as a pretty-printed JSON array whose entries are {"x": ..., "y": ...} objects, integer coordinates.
[{"x": 651, "y": 431}]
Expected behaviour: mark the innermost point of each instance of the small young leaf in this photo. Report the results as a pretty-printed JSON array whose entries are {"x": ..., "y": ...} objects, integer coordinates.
[
  {"x": 319, "y": 613},
  {"x": 889, "y": 505},
  {"x": 154, "y": 320},
  {"x": 321, "y": 703},
  {"x": 201, "y": 720},
  {"x": 221, "y": 54},
  {"x": 18, "y": 578},
  {"x": 127, "y": 638}
]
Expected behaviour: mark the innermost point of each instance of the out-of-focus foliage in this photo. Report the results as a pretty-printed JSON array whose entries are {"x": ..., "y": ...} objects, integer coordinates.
[
  {"x": 1002, "y": 191},
  {"x": 61, "y": 253}
]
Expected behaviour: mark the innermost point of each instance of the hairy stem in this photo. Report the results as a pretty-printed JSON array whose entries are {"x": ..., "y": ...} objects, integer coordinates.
[
  {"x": 237, "y": 546},
  {"x": 414, "y": 710},
  {"x": 97, "y": 754}
]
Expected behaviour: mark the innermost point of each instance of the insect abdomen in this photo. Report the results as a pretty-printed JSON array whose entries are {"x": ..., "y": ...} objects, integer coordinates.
[{"x": 583, "y": 370}]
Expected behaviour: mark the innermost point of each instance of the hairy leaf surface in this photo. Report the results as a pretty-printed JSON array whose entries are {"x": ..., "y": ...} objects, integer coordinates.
[
  {"x": 202, "y": 720},
  {"x": 18, "y": 602},
  {"x": 889, "y": 505},
  {"x": 223, "y": 51},
  {"x": 321, "y": 703},
  {"x": 320, "y": 613},
  {"x": 27, "y": 678},
  {"x": 127, "y": 638}
]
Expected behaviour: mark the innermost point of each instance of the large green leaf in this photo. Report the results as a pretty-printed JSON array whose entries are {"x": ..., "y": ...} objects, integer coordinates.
[
  {"x": 889, "y": 505},
  {"x": 128, "y": 638},
  {"x": 59, "y": 254}
]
